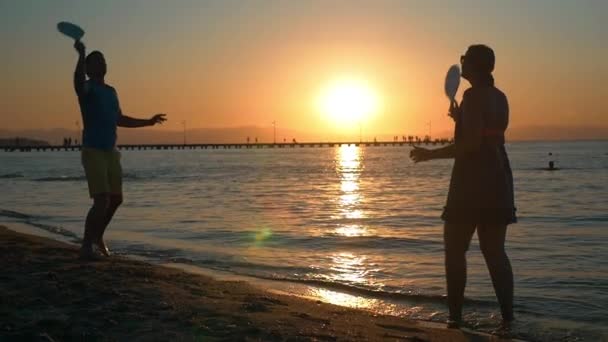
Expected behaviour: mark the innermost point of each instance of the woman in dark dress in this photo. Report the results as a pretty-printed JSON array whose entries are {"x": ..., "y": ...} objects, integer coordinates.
[{"x": 481, "y": 188}]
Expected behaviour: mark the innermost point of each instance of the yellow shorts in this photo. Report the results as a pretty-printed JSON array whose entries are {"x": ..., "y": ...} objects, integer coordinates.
[{"x": 103, "y": 171}]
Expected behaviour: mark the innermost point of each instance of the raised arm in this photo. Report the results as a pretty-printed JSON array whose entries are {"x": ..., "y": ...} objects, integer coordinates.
[
  {"x": 472, "y": 130},
  {"x": 79, "y": 73}
]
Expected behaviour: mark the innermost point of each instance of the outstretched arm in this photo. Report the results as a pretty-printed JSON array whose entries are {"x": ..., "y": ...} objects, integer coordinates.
[
  {"x": 127, "y": 121},
  {"x": 419, "y": 154},
  {"x": 446, "y": 152},
  {"x": 79, "y": 73}
]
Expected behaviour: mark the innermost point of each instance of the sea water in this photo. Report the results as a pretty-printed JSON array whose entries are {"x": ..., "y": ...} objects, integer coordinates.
[{"x": 354, "y": 226}]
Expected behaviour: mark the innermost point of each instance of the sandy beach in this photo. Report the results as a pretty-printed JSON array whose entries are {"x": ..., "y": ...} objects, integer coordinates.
[{"x": 47, "y": 294}]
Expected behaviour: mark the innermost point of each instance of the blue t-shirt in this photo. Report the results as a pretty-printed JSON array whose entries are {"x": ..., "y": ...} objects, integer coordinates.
[{"x": 100, "y": 112}]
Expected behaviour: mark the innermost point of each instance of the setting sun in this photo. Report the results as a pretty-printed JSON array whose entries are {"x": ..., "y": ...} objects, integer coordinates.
[{"x": 347, "y": 101}]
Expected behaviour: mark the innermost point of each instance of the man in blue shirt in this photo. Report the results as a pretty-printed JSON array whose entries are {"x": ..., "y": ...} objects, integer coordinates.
[{"x": 101, "y": 114}]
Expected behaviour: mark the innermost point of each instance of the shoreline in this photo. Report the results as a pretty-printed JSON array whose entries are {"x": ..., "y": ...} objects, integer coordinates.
[{"x": 48, "y": 294}]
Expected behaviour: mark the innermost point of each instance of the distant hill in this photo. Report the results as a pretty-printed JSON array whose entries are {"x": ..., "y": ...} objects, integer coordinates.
[
  {"x": 20, "y": 141},
  {"x": 558, "y": 133},
  {"x": 265, "y": 135},
  {"x": 547, "y": 133},
  {"x": 195, "y": 135}
]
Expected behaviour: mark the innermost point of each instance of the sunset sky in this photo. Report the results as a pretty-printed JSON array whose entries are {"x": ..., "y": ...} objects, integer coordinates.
[{"x": 249, "y": 63}]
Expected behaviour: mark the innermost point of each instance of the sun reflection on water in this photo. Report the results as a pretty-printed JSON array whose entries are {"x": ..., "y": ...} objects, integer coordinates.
[
  {"x": 351, "y": 230},
  {"x": 348, "y": 166},
  {"x": 346, "y": 267},
  {"x": 344, "y": 299}
]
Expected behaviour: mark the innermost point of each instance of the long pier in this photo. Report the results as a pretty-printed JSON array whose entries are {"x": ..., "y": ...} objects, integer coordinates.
[{"x": 128, "y": 147}]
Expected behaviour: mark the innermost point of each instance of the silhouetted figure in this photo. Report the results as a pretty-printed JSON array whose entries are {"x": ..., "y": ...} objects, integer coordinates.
[
  {"x": 101, "y": 114},
  {"x": 481, "y": 188},
  {"x": 551, "y": 163},
  {"x": 256, "y": 140}
]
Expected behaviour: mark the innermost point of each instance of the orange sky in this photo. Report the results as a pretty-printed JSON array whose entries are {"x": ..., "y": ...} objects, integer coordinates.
[{"x": 232, "y": 63}]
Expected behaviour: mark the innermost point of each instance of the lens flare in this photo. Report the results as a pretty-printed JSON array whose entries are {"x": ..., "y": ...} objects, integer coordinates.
[{"x": 262, "y": 235}]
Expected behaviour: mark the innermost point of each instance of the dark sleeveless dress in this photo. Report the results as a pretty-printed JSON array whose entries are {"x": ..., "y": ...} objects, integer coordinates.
[{"x": 481, "y": 187}]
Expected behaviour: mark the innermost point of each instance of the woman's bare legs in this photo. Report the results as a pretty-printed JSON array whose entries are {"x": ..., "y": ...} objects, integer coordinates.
[
  {"x": 457, "y": 238},
  {"x": 492, "y": 244}
]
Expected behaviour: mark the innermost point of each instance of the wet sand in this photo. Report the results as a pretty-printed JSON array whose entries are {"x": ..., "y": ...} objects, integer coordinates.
[{"x": 47, "y": 294}]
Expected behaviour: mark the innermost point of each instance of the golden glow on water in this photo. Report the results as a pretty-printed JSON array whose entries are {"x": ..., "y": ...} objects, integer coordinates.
[
  {"x": 261, "y": 236},
  {"x": 346, "y": 266},
  {"x": 349, "y": 186},
  {"x": 349, "y": 199},
  {"x": 355, "y": 214},
  {"x": 349, "y": 267},
  {"x": 348, "y": 166},
  {"x": 351, "y": 230},
  {"x": 344, "y": 299}
]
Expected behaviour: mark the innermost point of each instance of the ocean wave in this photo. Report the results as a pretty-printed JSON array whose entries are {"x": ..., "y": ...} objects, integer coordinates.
[
  {"x": 56, "y": 230},
  {"x": 313, "y": 240},
  {"x": 560, "y": 168},
  {"x": 11, "y": 175},
  {"x": 31, "y": 220},
  {"x": 373, "y": 293},
  {"x": 75, "y": 178},
  {"x": 290, "y": 274},
  {"x": 15, "y": 214},
  {"x": 249, "y": 270},
  {"x": 60, "y": 179},
  {"x": 383, "y": 242}
]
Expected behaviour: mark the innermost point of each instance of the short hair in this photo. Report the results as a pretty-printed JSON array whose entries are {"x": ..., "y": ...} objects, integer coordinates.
[
  {"x": 93, "y": 54},
  {"x": 481, "y": 57}
]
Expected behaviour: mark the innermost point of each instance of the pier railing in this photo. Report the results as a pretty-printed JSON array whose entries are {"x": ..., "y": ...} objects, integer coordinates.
[{"x": 210, "y": 146}]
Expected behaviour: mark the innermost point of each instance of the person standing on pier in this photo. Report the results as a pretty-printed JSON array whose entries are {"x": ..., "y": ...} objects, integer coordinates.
[
  {"x": 480, "y": 196},
  {"x": 101, "y": 114}
]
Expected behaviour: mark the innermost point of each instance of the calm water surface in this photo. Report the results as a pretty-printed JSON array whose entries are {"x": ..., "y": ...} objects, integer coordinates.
[{"x": 352, "y": 226}]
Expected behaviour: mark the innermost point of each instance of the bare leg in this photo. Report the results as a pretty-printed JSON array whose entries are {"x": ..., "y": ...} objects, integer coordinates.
[
  {"x": 93, "y": 223},
  {"x": 115, "y": 202},
  {"x": 492, "y": 243},
  {"x": 456, "y": 239}
]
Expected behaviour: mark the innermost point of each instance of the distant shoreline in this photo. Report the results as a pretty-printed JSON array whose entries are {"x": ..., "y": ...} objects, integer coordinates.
[{"x": 267, "y": 135}]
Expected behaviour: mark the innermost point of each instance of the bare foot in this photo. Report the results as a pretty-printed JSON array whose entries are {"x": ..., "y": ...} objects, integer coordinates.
[
  {"x": 88, "y": 254},
  {"x": 454, "y": 324},
  {"x": 103, "y": 248},
  {"x": 504, "y": 330}
]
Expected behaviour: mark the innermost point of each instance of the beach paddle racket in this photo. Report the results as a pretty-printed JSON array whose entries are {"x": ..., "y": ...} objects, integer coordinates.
[
  {"x": 452, "y": 81},
  {"x": 71, "y": 30}
]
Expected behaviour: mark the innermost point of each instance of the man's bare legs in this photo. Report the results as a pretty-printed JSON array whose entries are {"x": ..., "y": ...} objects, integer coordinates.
[
  {"x": 93, "y": 224},
  {"x": 114, "y": 202}
]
